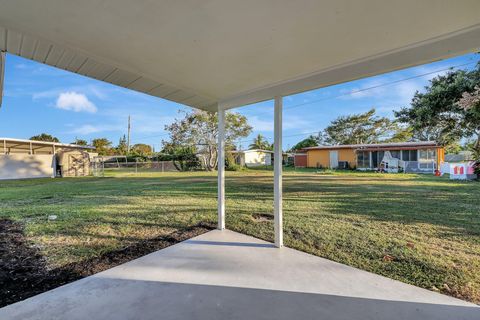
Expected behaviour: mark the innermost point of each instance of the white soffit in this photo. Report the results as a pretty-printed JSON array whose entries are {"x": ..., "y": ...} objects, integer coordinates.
[{"x": 232, "y": 53}]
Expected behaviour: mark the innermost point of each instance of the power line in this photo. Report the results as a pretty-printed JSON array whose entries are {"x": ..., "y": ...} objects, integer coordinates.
[
  {"x": 374, "y": 87},
  {"x": 283, "y": 136},
  {"x": 383, "y": 84}
]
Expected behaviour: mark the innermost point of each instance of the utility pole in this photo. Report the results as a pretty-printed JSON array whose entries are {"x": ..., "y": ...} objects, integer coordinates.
[{"x": 128, "y": 135}]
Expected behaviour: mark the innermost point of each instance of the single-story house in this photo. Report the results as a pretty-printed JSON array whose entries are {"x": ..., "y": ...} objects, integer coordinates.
[
  {"x": 23, "y": 159},
  {"x": 418, "y": 156},
  {"x": 253, "y": 158}
]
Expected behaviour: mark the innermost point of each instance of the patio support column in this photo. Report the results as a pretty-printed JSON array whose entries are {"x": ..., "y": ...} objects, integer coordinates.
[
  {"x": 2, "y": 74},
  {"x": 277, "y": 167},
  {"x": 221, "y": 168}
]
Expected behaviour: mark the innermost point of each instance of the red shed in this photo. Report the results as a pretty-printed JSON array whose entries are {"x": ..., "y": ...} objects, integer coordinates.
[{"x": 300, "y": 160}]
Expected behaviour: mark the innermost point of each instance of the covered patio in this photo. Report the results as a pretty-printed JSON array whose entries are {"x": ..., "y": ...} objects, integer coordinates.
[
  {"x": 214, "y": 56},
  {"x": 227, "y": 275}
]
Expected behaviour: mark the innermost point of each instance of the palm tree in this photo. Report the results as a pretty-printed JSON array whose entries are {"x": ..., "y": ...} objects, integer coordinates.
[{"x": 259, "y": 142}]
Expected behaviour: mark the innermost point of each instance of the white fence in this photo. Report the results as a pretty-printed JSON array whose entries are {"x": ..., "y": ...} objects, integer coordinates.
[{"x": 459, "y": 170}]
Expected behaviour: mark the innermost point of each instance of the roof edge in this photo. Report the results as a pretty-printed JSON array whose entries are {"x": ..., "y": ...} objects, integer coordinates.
[
  {"x": 377, "y": 145},
  {"x": 48, "y": 143}
]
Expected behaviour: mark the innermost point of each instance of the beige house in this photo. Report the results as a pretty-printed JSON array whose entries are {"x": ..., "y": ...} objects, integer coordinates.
[
  {"x": 23, "y": 159},
  {"x": 253, "y": 158}
]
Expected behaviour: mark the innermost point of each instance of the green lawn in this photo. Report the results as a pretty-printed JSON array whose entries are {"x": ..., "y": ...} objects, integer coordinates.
[{"x": 422, "y": 230}]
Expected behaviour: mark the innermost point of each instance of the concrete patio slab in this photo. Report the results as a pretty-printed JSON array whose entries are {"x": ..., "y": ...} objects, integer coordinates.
[{"x": 227, "y": 275}]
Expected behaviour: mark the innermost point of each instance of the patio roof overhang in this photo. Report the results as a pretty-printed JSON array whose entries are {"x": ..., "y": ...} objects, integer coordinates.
[{"x": 233, "y": 53}]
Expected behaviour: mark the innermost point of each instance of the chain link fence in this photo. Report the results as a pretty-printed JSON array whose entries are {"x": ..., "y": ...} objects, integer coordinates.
[{"x": 98, "y": 168}]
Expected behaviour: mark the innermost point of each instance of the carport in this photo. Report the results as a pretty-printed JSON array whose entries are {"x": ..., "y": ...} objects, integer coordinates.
[
  {"x": 217, "y": 55},
  {"x": 24, "y": 159}
]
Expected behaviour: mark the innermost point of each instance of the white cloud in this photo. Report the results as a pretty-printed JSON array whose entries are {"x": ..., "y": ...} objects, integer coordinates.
[
  {"x": 259, "y": 124},
  {"x": 369, "y": 89},
  {"x": 74, "y": 101},
  {"x": 406, "y": 90},
  {"x": 428, "y": 72},
  {"x": 22, "y": 66},
  {"x": 144, "y": 124},
  {"x": 92, "y": 90},
  {"x": 289, "y": 122},
  {"x": 87, "y": 129}
]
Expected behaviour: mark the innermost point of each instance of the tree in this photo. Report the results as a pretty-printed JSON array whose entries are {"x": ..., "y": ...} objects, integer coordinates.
[
  {"x": 311, "y": 141},
  {"x": 470, "y": 104},
  {"x": 80, "y": 142},
  {"x": 199, "y": 130},
  {"x": 45, "y": 137},
  {"x": 400, "y": 133},
  {"x": 260, "y": 142},
  {"x": 122, "y": 148},
  {"x": 358, "y": 128},
  {"x": 141, "y": 149},
  {"x": 437, "y": 113},
  {"x": 183, "y": 157},
  {"x": 103, "y": 146}
]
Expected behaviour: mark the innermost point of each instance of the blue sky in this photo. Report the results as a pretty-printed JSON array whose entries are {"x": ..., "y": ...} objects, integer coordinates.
[{"x": 39, "y": 98}]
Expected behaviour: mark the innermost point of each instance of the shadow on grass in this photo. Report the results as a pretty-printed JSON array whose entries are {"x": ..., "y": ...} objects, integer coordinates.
[
  {"x": 24, "y": 271},
  {"x": 440, "y": 204}
]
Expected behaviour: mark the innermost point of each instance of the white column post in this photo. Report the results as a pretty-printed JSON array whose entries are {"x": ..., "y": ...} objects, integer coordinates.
[
  {"x": 221, "y": 168},
  {"x": 5, "y": 146},
  {"x": 2, "y": 74},
  {"x": 277, "y": 180},
  {"x": 31, "y": 148}
]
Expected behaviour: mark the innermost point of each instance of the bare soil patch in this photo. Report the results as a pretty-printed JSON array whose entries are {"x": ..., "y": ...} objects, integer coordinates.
[{"x": 24, "y": 271}]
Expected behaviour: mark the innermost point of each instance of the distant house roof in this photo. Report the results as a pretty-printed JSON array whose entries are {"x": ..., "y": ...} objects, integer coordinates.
[
  {"x": 396, "y": 145},
  {"x": 252, "y": 150},
  {"x": 8, "y": 142}
]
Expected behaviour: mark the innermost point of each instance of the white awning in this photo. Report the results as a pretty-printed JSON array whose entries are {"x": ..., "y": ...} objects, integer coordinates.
[{"x": 230, "y": 52}]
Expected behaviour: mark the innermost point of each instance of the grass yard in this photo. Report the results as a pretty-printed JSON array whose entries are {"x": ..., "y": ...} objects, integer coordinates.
[{"x": 422, "y": 230}]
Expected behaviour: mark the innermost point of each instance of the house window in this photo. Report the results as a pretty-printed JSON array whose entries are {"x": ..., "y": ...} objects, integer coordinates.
[
  {"x": 363, "y": 159},
  {"x": 427, "y": 155},
  {"x": 377, "y": 157},
  {"x": 426, "y": 158},
  {"x": 395, "y": 154},
  {"x": 409, "y": 155}
]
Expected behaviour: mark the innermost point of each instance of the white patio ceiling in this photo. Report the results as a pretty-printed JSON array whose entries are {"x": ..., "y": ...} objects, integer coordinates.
[{"x": 204, "y": 53}]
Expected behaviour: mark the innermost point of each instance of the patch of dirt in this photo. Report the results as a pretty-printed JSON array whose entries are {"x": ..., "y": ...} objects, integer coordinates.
[
  {"x": 24, "y": 271},
  {"x": 262, "y": 217}
]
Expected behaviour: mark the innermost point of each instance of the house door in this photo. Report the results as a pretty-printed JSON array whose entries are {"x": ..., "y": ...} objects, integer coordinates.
[{"x": 334, "y": 159}]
